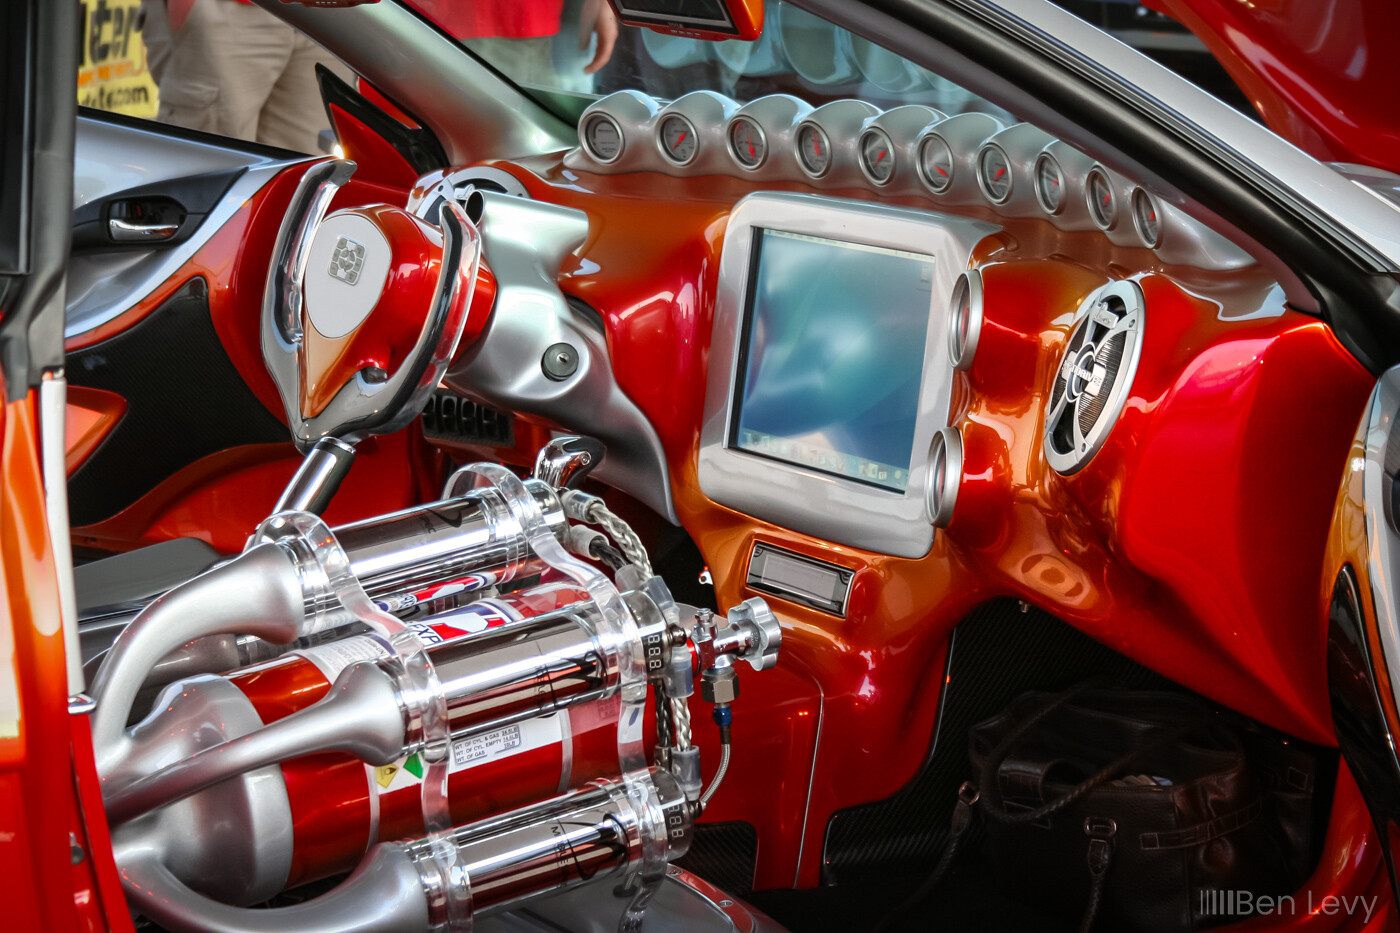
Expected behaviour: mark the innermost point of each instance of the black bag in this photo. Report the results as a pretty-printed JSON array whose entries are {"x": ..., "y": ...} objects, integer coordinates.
[
  {"x": 1138, "y": 812},
  {"x": 1131, "y": 808}
]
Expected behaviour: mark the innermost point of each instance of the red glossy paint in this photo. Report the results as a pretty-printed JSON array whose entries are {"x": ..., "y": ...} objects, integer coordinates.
[
  {"x": 1315, "y": 69},
  {"x": 375, "y": 158},
  {"x": 221, "y": 498},
  {"x": 387, "y": 335}
]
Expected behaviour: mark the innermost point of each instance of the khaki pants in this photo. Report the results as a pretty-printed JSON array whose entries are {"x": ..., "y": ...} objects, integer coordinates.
[{"x": 237, "y": 70}]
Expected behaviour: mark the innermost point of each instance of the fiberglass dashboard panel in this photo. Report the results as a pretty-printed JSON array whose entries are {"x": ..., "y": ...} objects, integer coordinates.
[{"x": 829, "y": 370}]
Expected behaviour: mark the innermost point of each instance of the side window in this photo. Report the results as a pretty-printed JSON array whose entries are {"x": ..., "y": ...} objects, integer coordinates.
[{"x": 219, "y": 66}]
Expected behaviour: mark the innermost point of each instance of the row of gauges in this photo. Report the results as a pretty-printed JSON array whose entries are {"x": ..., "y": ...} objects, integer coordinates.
[{"x": 969, "y": 159}]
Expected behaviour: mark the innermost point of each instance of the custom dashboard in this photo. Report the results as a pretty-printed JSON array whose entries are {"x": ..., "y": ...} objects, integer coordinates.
[{"x": 880, "y": 407}]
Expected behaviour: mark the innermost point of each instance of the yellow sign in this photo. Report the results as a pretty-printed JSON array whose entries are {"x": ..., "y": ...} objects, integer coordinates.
[{"x": 113, "y": 73}]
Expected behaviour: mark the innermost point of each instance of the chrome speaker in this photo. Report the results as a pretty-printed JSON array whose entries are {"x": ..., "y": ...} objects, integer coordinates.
[{"x": 1094, "y": 376}]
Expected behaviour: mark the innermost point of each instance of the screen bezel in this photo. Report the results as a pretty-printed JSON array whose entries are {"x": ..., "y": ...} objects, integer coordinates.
[
  {"x": 746, "y": 338},
  {"x": 837, "y": 509}
]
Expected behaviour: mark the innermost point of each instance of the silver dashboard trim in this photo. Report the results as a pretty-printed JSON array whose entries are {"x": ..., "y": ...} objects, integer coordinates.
[
  {"x": 525, "y": 242},
  {"x": 807, "y": 501}
]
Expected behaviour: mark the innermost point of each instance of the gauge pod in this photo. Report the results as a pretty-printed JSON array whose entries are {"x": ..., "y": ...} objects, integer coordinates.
[
  {"x": 945, "y": 468},
  {"x": 936, "y": 163},
  {"x": 1098, "y": 194},
  {"x": 1146, "y": 218},
  {"x": 965, "y": 319},
  {"x": 813, "y": 150},
  {"x": 877, "y": 156},
  {"x": 602, "y": 138},
  {"x": 677, "y": 140},
  {"x": 1049, "y": 184},
  {"x": 747, "y": 143},
  {"x": 994, "y": 174}
]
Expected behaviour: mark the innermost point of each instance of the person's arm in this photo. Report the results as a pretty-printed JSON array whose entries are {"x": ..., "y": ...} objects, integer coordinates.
[{"x": 597, "y": 18}]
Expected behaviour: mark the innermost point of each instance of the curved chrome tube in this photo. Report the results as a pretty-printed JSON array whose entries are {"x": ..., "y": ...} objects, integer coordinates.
[
  {"x": 362, "y": 716},
  {"x": 260, "y": 593},
  {"x": 383, "y": 895}
]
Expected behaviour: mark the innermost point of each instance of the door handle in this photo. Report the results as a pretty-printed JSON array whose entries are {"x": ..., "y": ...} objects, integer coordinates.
[
  {"x": 149, "y": 219},
  {"x": 123, "y": 231}
]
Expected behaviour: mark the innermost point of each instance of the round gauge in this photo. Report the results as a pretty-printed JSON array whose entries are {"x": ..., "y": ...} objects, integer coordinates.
[
  {"x": 677, "y": 137},
  {"x": 746, "y": 143},
  {"x": 877, "y": 156},
  {"x": 813, "y": 150},
  {"x": 602, "y": 138},
  {"x": 1099, "y": 194},
  {"x": 1049, "y": 184},
  {"x": 1146, "y": 219},
  {"x": 994, "y": 174},
  {"x": 936, "y": 163}
]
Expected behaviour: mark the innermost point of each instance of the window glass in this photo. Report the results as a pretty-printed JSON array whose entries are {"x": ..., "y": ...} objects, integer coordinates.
[
  {"x": 569, "y": 53},
  {"x": 219, "y": 66}
]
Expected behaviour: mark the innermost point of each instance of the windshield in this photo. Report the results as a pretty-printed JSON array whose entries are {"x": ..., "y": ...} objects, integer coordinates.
[{"x": 568, "y": 53}]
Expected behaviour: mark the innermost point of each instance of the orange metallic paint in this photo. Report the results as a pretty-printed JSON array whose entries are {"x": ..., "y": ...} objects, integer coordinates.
[
  {"x": 40, "y": 769},
  {"x": 91, "y": 416}
]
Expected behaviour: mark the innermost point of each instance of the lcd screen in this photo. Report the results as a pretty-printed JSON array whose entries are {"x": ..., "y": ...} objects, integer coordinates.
[{"x": 832, "y": 357}]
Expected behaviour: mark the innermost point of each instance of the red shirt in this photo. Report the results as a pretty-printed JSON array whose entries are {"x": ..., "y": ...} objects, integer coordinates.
[{"x": 479, "y": 19}]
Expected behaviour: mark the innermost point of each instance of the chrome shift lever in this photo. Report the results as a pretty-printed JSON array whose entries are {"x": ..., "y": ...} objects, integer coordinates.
[{"x": 566, "y": 460}]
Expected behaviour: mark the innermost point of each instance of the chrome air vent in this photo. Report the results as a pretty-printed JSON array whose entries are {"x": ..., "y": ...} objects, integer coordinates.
[{"x": 1094, "y": 375}]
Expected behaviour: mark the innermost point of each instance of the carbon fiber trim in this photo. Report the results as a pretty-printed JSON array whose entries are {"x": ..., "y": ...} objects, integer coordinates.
[
  {"x": 185, "y": 400},
  {"x": 724, "y": 855},
  {"x": 997, "y": 653}
]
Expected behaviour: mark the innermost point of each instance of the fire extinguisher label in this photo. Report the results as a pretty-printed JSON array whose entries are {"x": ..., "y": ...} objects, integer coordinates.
[
  {"x": 477, "y": 750},
  {"x": 332, "y": 657}
]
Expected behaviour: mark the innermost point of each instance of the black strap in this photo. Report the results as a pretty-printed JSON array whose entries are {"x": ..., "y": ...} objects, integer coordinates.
[{"x": 957, "y": 829}]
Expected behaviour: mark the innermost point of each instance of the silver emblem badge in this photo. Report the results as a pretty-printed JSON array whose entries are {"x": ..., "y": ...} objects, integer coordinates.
[{"x": 347, "y": 259}]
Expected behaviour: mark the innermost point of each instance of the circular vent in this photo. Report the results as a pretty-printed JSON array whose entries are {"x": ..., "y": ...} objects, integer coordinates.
[{"x": 1094, "y": 375}]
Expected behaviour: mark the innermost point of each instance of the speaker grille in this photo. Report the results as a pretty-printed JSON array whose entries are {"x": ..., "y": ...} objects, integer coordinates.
[{"x": 1094, "y": 376}]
